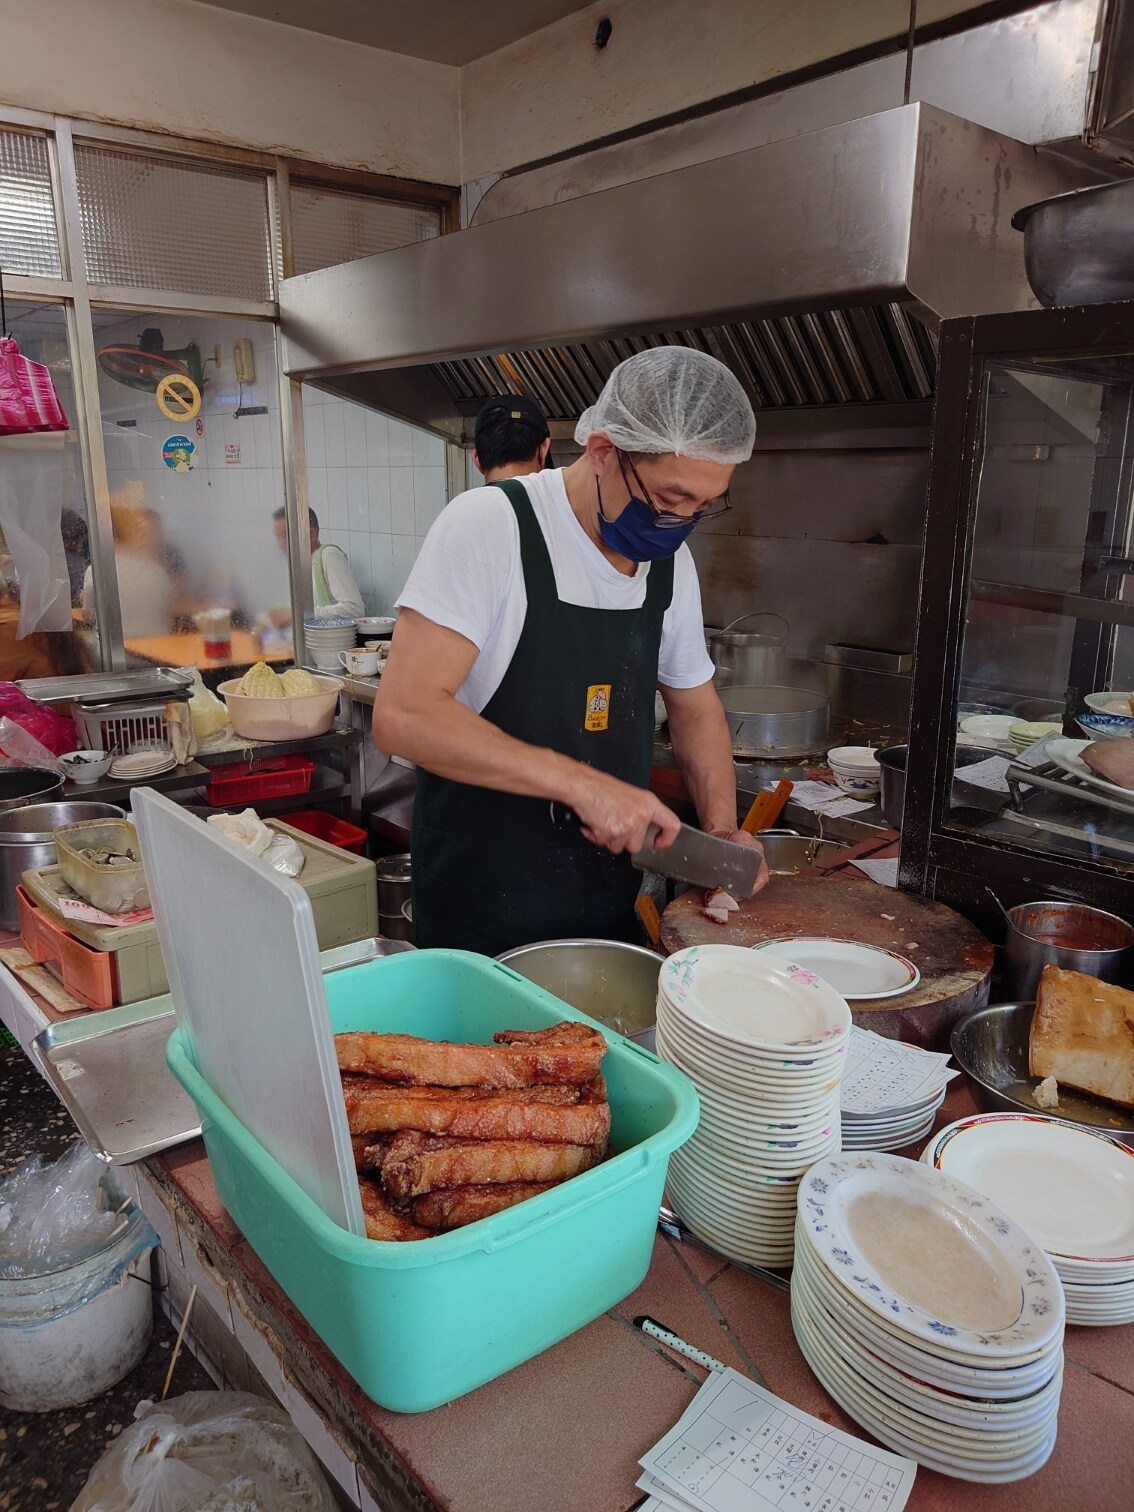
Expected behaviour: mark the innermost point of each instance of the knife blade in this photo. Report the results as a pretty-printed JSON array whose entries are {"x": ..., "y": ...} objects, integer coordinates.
[{"x": 703, "y": 860}]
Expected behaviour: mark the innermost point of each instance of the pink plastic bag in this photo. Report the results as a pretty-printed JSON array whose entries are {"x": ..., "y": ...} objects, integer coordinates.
[
  {"x": 50, "y": 729},
  {"x": 28, "y": 401}
]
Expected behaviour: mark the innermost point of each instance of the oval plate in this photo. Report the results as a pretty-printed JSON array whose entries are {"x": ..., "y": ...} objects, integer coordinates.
[{"x": 857, "y": 972}]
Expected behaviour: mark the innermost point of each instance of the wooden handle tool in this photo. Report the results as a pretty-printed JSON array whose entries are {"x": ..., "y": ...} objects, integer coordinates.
[
  {"x": 767, "y": 808},
  {"x": 647, "y": 911}
]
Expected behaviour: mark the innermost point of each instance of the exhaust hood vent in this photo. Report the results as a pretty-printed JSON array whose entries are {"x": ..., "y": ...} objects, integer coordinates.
[{"x": 855, "y": 356}]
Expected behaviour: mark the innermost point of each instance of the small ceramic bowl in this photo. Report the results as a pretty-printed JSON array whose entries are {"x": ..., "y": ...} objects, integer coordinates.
[
  {"x": 85, "y": 766},
  {"x": 1110, "y": 703},
  {"x": 856, "y": 769},
  {"x": 1105, "y": 726}
]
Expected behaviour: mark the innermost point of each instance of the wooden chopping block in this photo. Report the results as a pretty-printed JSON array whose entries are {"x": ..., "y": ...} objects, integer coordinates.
[{"x": 954, "y": 958}]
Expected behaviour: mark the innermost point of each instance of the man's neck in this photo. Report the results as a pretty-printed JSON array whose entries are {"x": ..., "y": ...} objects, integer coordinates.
[{"x": 511, "y": 470}]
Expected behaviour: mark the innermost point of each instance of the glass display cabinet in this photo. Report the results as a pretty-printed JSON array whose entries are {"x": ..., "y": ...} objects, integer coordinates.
[{"x": 1026, "y": 623}]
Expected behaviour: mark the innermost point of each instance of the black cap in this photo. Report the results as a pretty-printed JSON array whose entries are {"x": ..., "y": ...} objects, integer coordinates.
[{"x": 512, "y": 407}]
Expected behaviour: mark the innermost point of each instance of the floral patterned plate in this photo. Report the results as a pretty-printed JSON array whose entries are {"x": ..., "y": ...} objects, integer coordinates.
[
  {"x": 733, "y": 996},
  {"x": 854, "y": 970},
  {"x": 931, "y": 1255}
]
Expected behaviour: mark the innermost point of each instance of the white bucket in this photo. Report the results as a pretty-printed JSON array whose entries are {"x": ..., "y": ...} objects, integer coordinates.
[{"x": 70, "y": 1334}]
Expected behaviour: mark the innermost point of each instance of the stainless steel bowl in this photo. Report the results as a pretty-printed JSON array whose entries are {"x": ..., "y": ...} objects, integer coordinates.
[
  {"x": 788, "y": 853},
  {"x": 1079, "y": 247},
  {"x": 991, "y": 1048},
  {"x": 612, "y": 982}
]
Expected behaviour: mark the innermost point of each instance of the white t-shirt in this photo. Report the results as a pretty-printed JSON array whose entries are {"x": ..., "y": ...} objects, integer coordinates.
[{"x": 469, "y": 578}]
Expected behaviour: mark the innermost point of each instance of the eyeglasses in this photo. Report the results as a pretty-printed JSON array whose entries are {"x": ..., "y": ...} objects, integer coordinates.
[{"x": 668, "y": 519}]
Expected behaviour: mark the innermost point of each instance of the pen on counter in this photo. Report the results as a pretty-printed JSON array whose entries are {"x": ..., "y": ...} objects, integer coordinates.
[{"x": 658, "y": 1331}]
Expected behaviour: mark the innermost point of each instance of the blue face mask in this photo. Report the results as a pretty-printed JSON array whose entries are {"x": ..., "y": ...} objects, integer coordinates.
[{"x": 636, "y": 534}]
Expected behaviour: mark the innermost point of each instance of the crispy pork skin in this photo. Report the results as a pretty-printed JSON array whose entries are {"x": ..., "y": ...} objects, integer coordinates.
[
  {"x": 461, "y": 1205},
  {"x": 563, "y": 1115},
  {"x": 1083, "y": 1034},
  {"x": 419, "y": 1163},
  {"x": 566, "y": 1054}
]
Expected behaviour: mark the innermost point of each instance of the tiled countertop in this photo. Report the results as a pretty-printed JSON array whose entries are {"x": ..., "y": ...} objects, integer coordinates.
[{"x": 563, "y": 1432}]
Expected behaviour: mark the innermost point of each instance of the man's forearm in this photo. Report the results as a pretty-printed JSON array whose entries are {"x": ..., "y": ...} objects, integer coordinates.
[{"x": 703, "y": 747}]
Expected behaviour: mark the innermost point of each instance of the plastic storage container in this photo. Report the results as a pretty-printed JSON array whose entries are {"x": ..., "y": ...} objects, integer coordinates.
[
  {"x": 418, "y": 1324},
  {"x": 251, "y": 781},
  {"x": 282, "y": 718},
  {"x": 328, "y": 827},
  {"x": 114, "y": 889}
]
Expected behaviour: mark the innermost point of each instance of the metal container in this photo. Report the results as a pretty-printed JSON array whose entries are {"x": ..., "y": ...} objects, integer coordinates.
[
  {"x": 1071, "y": 935},
  {"x": 20, "y": 786},
  {"x": 892, "y": 792},
  {"x": 991, "y": 1048},
  {"x": 614, "y": 983},
  {"x": 750, "y": 658},
  {"x": 1079, "y": 247},
  {"x": 789, "y": 853},
  {"x": 394, "y": 874},
  {"x": 27, "y": 841},
  {"x": 776, "y": 721}
]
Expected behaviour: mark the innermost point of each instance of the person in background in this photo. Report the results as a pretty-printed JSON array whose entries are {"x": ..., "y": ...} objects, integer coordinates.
[
  {"x": 538, "y": 620},
  {"x": 333, "y": 587},
  {"x": 148, "y": 591},
  {"x": 510, "y": 438}
]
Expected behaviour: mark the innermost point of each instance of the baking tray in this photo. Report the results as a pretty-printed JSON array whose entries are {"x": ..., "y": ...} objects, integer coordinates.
[
  {"x": 101, "y": 687},
  {"x": 109, "y": 1071}
]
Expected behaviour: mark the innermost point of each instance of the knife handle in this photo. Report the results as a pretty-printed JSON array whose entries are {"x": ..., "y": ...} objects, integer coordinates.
[{"x": 766, "y": 808}]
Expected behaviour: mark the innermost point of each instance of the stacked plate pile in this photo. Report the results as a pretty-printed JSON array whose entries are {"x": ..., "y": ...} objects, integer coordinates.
[
  {"x": 325, "y": 638},
  {"x": 929, "y": 1315},
  {"x": 142, "y": 761},
  {"x": 765, "y": 1044},
  {"x": 1025, "y": 733},
  {"x": 1071, "y": 1188},
  {"x": 891, "y": 1111}
]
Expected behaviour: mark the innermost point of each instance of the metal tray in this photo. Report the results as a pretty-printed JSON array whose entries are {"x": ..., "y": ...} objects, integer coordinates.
[
  {"x": 109, "y": 1071},
  {"x": 100, "y": 687}
]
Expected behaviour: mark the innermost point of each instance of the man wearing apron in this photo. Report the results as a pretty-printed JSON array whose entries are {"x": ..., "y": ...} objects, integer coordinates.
[{"x": 539, "y": 619}]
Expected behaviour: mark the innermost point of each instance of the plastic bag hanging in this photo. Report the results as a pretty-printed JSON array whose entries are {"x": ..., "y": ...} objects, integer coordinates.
[{"x": 28, "y": 401}]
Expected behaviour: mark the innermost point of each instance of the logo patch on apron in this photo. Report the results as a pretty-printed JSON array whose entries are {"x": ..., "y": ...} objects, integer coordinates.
[{"x": 598, "y": 707}]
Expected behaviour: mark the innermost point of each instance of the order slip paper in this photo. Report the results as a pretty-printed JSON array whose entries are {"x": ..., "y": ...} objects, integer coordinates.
[
  {"x": 738, "y": 1448},
  {"x": 884, "y": 1073},
  {"x": 821, "y": 798}
]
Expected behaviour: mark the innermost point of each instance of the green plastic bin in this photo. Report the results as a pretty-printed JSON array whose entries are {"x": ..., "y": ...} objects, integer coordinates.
[{"x": 418, "y": 1324}]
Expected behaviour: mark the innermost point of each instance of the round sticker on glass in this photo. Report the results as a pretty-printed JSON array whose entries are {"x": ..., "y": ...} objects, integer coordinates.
[{"x": 178, "y": 453}]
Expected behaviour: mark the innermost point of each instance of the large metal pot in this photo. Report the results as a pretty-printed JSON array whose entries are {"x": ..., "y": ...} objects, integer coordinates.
[
  {"x": 753, "y": 658},
  {"x": 1070, "y": 935},
  {"x": 27, "y": 842},
  {"x": 892, "y": 794},
  {"x": 614, "y": 983},
  {"x": 776, "y": 721},
  {"x": 1079, "y": 247},
  {"x": 20, "y": 786}
]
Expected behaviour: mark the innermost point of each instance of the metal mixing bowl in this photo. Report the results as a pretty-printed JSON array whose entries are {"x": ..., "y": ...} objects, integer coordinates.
[
  {"x": 614, "y": 983},
  {"x": 991, "y": 1048}
]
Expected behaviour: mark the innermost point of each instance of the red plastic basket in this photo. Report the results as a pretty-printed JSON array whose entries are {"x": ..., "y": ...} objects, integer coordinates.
[
  {"x": 327, "y": 827},
  {"x": 245, "y": 782}
]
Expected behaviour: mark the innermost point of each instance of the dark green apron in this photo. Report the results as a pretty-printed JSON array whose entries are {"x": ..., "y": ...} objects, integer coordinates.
[{"x": 494, "y": 870}]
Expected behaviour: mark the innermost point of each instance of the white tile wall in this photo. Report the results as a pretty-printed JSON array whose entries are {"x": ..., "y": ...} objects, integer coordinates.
[{"x": 377, "y": 486}]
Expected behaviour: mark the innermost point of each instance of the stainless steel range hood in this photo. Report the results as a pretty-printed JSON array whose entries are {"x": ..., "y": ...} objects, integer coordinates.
[{"x": 816, "y": 267}]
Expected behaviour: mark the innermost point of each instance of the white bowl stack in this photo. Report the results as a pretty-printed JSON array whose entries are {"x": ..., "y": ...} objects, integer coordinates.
[
  {"x": 765, "y": 1045},
  {"x": 1071, "y": 1188},
  {"x": 325, "y": 638},
  {"x": 929, "y": 1315},
  {"x": 856, "y": 770}
]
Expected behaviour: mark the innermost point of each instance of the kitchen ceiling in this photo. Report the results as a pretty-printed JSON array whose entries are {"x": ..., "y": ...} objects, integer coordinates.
[{"x": 441, "y": 31}]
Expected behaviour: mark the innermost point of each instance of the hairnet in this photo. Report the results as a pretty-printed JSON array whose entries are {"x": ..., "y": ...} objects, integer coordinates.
[{"x": 673, "y": 399}]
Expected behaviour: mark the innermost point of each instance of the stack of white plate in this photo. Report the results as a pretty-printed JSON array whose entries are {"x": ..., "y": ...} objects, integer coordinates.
[
  {"x": 765, "y": 1044},
  {"x": 325, "y": 638},
  {"x": 891, "y": 1128},
  {"x": 1072, "y": 1188},
  {"x": 929, "y": 1315},
  {"x": 1026, "y": 732},
  {"x": 142, "y": 761}
]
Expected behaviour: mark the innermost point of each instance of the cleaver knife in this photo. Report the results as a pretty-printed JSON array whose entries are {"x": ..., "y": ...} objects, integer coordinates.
[{"x": 703, "y": 860}]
